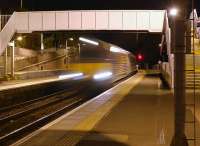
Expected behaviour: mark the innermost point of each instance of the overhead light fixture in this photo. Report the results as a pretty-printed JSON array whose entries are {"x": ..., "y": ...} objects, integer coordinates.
[
  {"x": 19, "y": 38},
  {"x": 88, "y": 41},
  {"x": 117, "y": 50},
  {"x": 103, "y": 75},
  {"x": 173, "y": 11},
  {"x": 71, "y": 39}
]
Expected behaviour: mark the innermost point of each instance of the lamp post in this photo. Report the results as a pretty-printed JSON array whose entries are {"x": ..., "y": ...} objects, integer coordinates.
[
  {"x": 178, "y": 37},
  {"x": 12, "y": 45},
  {"x": 21, "y": 4},
  {"x": 42, "y": 42},
  {"x": 5, "y": 61}
]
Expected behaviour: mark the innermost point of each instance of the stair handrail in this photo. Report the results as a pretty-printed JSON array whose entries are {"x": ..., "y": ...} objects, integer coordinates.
[{"x": 42, "y": 62}]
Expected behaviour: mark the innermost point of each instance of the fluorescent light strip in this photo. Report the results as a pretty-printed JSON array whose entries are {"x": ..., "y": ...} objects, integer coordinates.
[
  {"x": 88, "y": 41},
  {"x": 117, "y": 50}
]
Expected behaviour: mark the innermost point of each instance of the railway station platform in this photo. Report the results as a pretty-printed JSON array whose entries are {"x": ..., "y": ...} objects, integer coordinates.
[
  {"x": 136, "y": 112},
  {"x": 13, "y": 84},
  {"x": 19, "y": 91}
]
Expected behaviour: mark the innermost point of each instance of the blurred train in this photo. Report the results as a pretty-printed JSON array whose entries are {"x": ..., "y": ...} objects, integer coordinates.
[
  {"x": 103, "y": 60},
  {"x": 91, "y": 57}
]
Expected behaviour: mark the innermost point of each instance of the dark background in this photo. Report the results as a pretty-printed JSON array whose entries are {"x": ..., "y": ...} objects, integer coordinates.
[
  {"x": 146, "y": 44},
  {"x": 10, "y": 5}
]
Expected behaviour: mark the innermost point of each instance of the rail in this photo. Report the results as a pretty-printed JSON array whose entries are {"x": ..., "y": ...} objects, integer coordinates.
[
  {"x": 39, "y": 121},
  {"x": 28, "y": 107}
]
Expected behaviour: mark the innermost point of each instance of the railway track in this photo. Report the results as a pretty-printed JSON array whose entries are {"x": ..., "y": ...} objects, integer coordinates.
[
  {"x": 31, "y": 115},
  {"x": 25, "y": 129},
  {"x": 19, "y": 105},
  {"x": 19, "y": 110},
  {"x": 28, "y": 120}
]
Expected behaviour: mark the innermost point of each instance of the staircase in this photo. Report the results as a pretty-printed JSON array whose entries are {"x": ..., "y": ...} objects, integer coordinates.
[
  {"x": 3, "y": 20},
  {"x": 190, "y": 76},
  {"x": 7, "y": 32}
]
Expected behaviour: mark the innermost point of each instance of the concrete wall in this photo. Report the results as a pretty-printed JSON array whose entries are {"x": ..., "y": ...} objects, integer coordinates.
[
  {"x": 57, "y": 64},
  {"x": 25, "y": 52}
]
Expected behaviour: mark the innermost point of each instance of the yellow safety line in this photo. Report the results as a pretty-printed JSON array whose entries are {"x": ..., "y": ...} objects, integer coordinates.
[
  {"x": 89, "y": 123},
  {"x": 92, "y": 120},
  {"x": 121, "y": 90}
]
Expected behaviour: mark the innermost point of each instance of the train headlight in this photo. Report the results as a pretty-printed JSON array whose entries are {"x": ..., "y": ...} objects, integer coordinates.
[
  {"x": 72, "y": 75},
  {"x": 103, "y": 75}
]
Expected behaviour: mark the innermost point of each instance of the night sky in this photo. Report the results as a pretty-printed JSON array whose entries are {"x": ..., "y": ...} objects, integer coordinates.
[
  {"x": 147, "y": 44},
  {"x": 10, "y": 5}
]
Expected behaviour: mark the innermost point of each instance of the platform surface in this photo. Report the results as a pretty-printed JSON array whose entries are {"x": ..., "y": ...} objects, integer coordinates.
[
  {"x": 136, "y": 112},
  {"x": 13, "y": 84}
]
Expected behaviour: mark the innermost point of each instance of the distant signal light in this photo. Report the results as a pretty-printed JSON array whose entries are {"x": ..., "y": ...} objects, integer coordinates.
[{"x": 140, "y": 57}]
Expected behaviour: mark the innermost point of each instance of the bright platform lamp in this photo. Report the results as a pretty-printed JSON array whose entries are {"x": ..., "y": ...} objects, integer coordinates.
[{"x": 173, "y": 11}]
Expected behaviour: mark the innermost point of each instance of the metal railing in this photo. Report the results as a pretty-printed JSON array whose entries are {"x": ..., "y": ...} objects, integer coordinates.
[{"x": 42, "y": 62}]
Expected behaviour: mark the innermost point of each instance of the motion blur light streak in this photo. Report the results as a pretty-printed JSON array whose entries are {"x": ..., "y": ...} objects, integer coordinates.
[
  {"x": 88, "y": 41},
  {"x": 103, "y": 75},
  {"x": 70, "y": 75},
  {"x": 117, "y": 50}
]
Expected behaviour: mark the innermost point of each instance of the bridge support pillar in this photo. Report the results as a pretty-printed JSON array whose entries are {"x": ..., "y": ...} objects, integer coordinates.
[
  {"x": 42, "y": 41},
  {"x": 5, "y": 62},
  {"x": 13, "y": 59}
]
